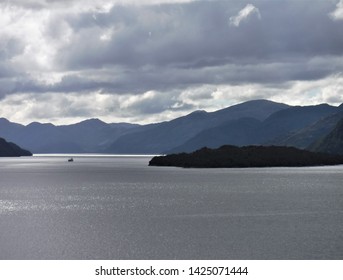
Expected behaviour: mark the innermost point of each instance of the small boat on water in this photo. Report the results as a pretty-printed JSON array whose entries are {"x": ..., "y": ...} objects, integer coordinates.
[{"x": 70, "y": 160}]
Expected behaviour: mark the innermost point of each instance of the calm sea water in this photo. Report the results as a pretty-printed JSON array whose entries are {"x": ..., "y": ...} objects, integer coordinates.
[{"x": 120, "y": 208}]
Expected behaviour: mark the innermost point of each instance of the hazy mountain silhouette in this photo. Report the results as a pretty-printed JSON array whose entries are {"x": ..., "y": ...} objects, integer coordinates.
[
  {"x": 168, "y": 135},
  {"x": 87, "y": 136},
  {"x": 256, "y": 122},
  {"x": 277, "y": 127},
  {"x": 236, "y": 132}
]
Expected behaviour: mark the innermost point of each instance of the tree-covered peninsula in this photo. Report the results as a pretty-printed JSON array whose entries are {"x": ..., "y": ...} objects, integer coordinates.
[{"x": 249, "y": 156}]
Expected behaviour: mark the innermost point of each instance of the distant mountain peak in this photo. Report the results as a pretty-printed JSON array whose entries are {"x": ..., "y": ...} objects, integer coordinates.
[
  {"x": 38, "y": 124},
  {"x": 198, "y": 112},
  {"x": 260, "y": 102},
  {"x": 259, "y": 109},
  {"x": 257, "y": 103},
  {"x": 92, "y": 121}
]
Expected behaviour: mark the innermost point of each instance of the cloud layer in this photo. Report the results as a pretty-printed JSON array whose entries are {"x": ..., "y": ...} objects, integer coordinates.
[{"x": 144, "y": 61}]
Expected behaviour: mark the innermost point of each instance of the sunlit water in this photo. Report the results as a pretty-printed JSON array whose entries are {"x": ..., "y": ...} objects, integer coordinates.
[{"x": 120, "y": 208}]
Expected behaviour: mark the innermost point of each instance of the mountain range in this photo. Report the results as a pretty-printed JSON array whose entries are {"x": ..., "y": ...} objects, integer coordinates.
[
  {"x": 89, "y": 136},
  {"x": 256, "y": 122}
]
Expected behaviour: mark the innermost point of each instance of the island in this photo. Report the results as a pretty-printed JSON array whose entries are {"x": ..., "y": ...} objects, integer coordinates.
[
  {"x": 248, "y": 156},
  {"x": 8, "y": 149}
]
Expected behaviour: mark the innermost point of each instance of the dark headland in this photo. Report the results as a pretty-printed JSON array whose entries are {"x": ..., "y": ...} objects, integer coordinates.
[
  {"x": 249, "y": 156},
  {"x": 8, "y": 149}
]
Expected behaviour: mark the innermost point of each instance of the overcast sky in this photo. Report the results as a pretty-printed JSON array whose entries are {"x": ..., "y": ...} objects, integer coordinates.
[{"x": 147, "y": 61}]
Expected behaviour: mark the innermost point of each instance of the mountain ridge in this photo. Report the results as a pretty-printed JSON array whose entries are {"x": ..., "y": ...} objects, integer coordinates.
[
  {"x": 255, "y": 122},
  {"x": 90, "y": 135},
  {"x": 268, "y": 132},
  {"x": 166, "y": 135}
]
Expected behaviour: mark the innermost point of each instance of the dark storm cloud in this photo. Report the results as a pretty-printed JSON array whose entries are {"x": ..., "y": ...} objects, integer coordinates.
[
  {"x": 184, "y": 33},
  {"x": 197, "y": 36}
]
